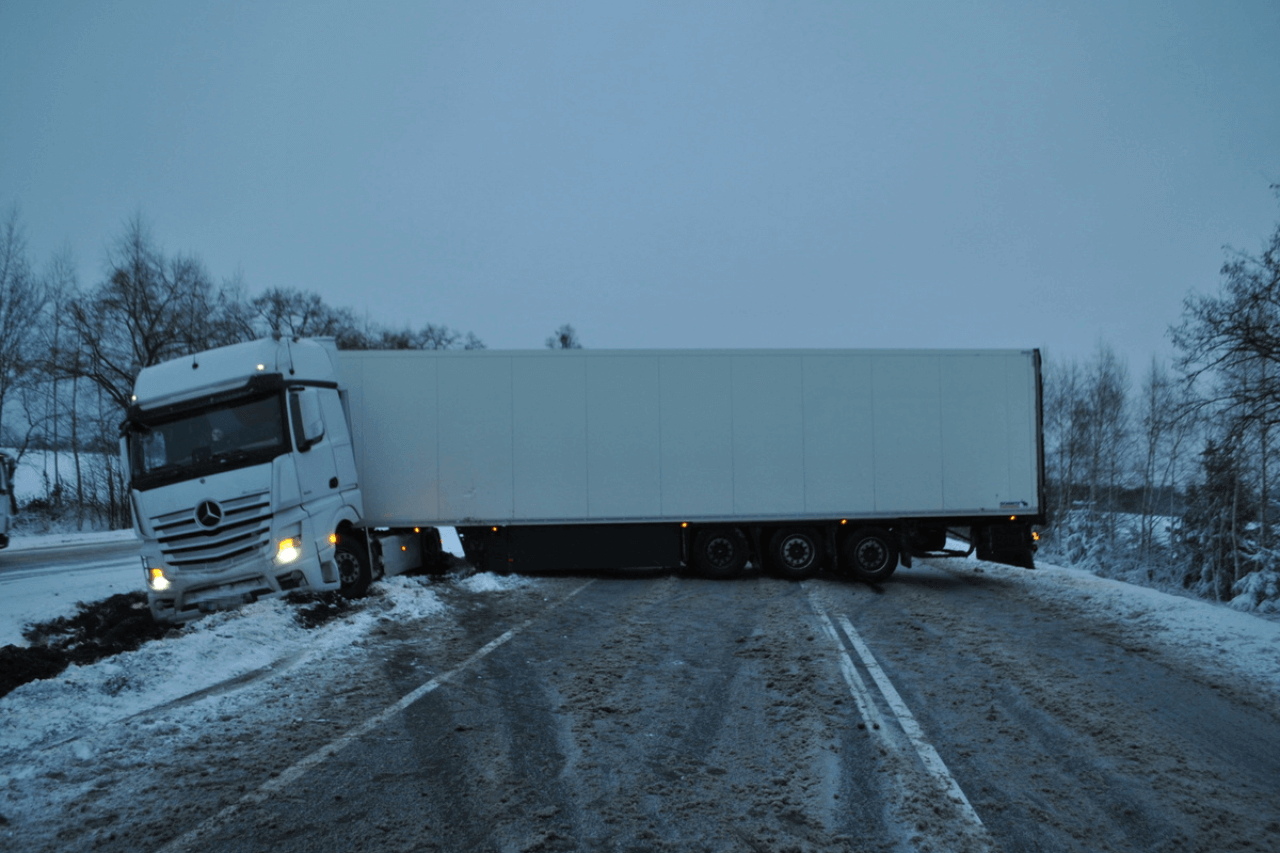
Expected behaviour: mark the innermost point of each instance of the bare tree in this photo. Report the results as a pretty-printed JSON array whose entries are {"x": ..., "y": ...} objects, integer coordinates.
[
  {"x": 22, "y": 299},
  {"x": 1168, "y": 421},
  {"x": 429, "y": 337},
  {"x": 149, "y": 308},
  {"x": 564, "y": 338},
  {"x": 300, "y": 314},
  {"x": 1230, "y": 348}
]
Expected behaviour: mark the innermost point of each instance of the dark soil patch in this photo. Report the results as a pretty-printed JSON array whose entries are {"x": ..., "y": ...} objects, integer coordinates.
[
  {"x": 99, "y": 629},
  {"x": 313, "y": 609}
]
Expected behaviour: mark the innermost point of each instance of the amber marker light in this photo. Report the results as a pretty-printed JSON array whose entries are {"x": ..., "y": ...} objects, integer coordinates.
[{"x": 333, "y": 539}]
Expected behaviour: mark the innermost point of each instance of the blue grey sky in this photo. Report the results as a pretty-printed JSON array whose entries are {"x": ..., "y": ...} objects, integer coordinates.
[{"x": 685, "y": 174}]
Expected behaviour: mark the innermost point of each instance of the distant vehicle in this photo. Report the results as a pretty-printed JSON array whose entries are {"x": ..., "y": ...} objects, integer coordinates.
[
  {"x": 282, "y": 465},
  {"x": 8, "y": 501}
]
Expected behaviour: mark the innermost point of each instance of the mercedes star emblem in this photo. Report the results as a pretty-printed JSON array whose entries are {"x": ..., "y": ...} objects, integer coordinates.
[{"x": 208, "y": 514}]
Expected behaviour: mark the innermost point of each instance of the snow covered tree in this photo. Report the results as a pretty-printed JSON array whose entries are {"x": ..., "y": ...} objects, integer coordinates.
[{"x": 1212, "y": 530}]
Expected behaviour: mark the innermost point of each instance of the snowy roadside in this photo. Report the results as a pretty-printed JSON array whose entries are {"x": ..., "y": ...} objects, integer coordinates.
[
  {"x": 1217, "y": 638},
  {"x": 209, "y": 651},
  {"x": 64, "y": 739},
  {"x": 37, "y": 541},
  {"x": 29, "y": 593}
]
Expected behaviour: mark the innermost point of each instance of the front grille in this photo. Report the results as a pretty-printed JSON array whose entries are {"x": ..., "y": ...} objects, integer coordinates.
[{"x": 243, "y": 533}]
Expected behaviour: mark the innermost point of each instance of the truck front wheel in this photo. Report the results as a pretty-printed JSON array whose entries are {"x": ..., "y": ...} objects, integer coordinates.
[
  {"x": 352, "y": 560},
  {"x": 720, "y": 552},
  {"x": 871, "y": 554}
]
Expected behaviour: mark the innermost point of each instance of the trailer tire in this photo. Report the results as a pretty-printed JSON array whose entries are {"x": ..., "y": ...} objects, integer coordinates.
[
  {"x": 871, "y": 554},
  {"x": 795, "y": 553},
  {"x": 352, "y": 560},
  {"x": 720, "y": 552}
]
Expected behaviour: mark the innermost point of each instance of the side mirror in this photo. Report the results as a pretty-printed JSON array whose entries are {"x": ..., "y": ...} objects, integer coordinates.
[{"x": 308, "y": 424}]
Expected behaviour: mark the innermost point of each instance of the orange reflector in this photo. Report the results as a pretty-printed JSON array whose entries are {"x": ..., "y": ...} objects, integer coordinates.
[
  {"x": 333, "y": 539},
  {"x": 416, "y": 530},
  {"x": 684, "y": 524}
]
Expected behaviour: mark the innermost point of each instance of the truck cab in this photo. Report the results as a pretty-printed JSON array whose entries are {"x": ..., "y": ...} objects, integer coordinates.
[{"x": 241, "y": 477}]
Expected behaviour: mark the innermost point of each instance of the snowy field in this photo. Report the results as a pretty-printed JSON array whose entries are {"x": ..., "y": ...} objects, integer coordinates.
[{"x": 39, "y": 469}]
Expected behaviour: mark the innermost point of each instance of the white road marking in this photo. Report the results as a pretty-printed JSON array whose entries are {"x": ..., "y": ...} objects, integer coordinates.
[
  {"x": 186, "y": 840},
  {"x": 933, "y": 762},
  {"x": 858, "y": 687}
]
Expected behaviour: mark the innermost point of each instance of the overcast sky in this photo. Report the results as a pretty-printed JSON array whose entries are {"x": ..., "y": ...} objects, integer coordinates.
[{"x": 686, "y": 174}]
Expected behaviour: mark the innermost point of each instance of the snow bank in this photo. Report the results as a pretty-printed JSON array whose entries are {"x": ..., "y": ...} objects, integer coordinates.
[
  {"x": 220, "y": 649},
  {"x": 35, "y": 541},
  {"x": 214, "y": 649},
  {"x": 489, "y": 582}
]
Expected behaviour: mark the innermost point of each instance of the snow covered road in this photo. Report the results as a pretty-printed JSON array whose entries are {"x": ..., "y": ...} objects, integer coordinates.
[{"x": 1061, "y": 712}]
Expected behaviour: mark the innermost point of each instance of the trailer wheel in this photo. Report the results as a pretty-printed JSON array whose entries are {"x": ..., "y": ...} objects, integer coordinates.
[
  {"x": 720, "y": 552},
  {"x": 353, "y": 566},
  {"x": 871, "y": 554},
  {"x": 795, "y": 553}
]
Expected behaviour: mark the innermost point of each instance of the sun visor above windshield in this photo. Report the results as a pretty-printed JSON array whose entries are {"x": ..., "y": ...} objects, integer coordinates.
[{"x": 227, "y": 368}]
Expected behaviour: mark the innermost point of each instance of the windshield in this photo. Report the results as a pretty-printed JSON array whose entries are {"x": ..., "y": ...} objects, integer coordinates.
[{"x": 244, "y": 432}]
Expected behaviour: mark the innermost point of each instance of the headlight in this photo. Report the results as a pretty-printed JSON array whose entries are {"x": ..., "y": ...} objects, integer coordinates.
[
  {"x": 289, "y": 549},
  {"x": 156, "y": 580}
]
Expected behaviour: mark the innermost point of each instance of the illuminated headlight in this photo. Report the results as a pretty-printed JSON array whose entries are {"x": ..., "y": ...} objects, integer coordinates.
[
  {"x": 288, "y": 550},
  {"x": 156, "y": 580}
]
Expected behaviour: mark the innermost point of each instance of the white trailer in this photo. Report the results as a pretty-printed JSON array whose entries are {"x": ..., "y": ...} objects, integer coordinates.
[{"x": 797, "y": 460}]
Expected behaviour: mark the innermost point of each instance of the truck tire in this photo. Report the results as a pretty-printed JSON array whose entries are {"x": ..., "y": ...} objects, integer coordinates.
[
  {"x": 795, "y": 553},
  {"x": 871, "y": 554},
  {"x": 352, "y": 561},
  {"x": 720, "y": 552}
]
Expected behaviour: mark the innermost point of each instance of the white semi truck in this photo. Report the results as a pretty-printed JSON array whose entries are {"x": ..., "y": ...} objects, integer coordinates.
[{"x": 282, "y": 465}]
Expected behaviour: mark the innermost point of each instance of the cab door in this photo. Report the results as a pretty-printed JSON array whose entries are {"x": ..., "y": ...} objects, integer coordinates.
[{"x": 317, "y": 473}]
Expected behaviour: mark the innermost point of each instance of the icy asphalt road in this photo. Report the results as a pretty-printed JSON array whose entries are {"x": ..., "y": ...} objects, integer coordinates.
[{"x": 946, "y": 710}]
